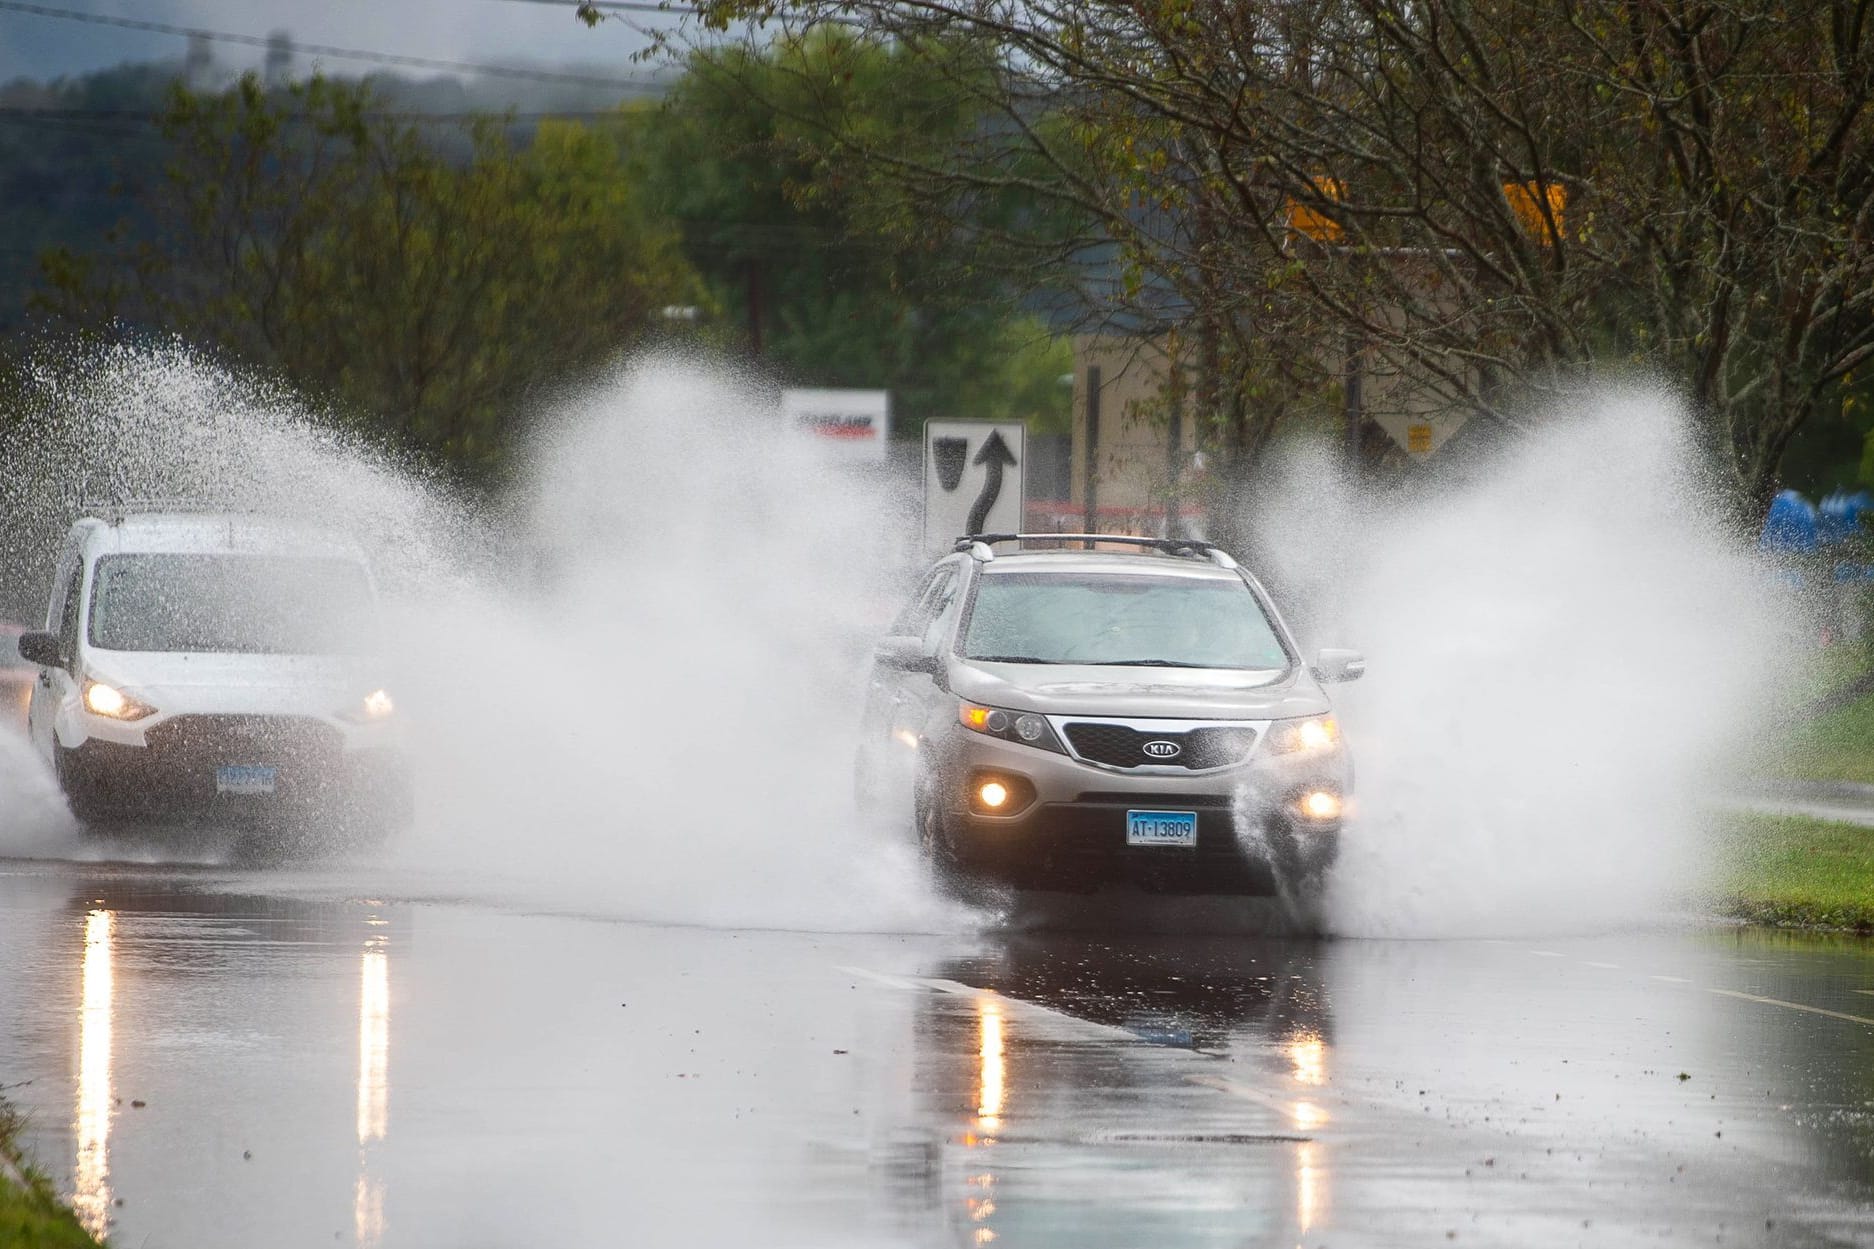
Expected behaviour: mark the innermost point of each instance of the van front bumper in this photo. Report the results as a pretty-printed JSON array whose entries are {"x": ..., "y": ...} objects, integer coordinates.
[{"x": 181, "y": 772}]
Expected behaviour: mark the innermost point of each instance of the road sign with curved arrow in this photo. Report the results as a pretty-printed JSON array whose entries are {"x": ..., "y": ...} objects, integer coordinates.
[{"x": 973, "y": 479}]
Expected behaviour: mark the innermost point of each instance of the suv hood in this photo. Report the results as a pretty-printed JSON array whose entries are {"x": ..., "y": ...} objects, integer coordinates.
[
  {"x": 1163, "y": 693},
  {"x": 182, "y": 684}
]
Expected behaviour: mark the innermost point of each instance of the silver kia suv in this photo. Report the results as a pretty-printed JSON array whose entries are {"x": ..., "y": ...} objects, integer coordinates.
[{"x": 1121, "y": 710}]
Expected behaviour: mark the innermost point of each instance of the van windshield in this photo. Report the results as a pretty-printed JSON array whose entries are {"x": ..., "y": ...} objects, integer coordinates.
[
  {"x": 246, "y": 604},
  {"x": 1122, "y": 620}
]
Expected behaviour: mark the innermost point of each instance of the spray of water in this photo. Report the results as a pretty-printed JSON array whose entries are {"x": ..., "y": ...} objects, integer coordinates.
[
  {"x": 1566, "y": 649},
  {"x": 676, "y": 683},
  {"x": 629, "y": 688}
]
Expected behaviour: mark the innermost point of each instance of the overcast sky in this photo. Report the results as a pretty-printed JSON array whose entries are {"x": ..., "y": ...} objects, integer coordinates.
[{"x": 511, "y": 32}]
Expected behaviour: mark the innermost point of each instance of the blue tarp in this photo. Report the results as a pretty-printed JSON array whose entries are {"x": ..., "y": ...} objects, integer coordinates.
[
  {"x": 1839, "y": 517},
  {"x": 1790, "y": 528}
]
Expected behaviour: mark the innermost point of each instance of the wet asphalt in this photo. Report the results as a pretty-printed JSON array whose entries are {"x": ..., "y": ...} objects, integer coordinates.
[{"x": 254, "y": 1056}]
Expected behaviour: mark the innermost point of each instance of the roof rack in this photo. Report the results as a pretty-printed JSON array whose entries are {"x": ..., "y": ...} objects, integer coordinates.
[
  {"x": 981, "y": 546},
  {"x": 116, "y": 511}
]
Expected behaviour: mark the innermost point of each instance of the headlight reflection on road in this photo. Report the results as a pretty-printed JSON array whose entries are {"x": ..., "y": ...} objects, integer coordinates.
[
  {"x": 374, "y": 1043},
  {"x": 91, "y": 1199},
  {"x": 992, "y": 1071},
  {"x": 1310, "y": 1186},
  {"x": 1307, "y": 1056},
  {"x": 991, "y": 1097},
  {"x": 373, "y": 1084}
]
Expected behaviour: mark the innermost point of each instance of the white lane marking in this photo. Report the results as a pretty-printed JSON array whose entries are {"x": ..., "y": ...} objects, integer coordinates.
[
  {"x": 1869, "y": 992},
  {"x": 896, "y": 982},
  {"x": 1548, "y": 954},
  {"x": 1777, "y": 1001},
  {"x": 1673, "y": 979},
  {"x": 1059, "y": 1021},
  {"x": 1608, "y": 966},
  {"x": 1281, "y": 1105}
]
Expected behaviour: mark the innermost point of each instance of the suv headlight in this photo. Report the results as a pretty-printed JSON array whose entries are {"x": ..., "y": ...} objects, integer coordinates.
[
  {"x": 1011, "y": 726},
  {"x": 113, "y": 704},
  {"x": 375, "y": 706},
  {"x": 1315, "y": 735}
]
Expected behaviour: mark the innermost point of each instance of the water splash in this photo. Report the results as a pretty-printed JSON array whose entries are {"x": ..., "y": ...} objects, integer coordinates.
[
  {"x": 630, "y": 685},
  {"x": 1566, "y": 650}
]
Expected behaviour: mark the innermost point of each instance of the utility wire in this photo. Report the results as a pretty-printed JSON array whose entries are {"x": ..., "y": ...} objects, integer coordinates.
[
  {"x": 26, "y": 112},
  {"x": 618, "y": 6},
  {"x": 350, "y": 54}
]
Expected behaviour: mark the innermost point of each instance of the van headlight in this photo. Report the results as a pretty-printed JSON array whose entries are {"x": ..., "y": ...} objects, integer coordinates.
[
  {"x": 1011, "y": 726},
  {"x": 113, "y": 704},
  {"x": 375, "y": 706},
  {"x": 1315, "y": 735}
]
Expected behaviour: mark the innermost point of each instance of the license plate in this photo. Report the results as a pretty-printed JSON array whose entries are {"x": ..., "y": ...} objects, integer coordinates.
[
  {"x": 1161, "y": 828},
  {"x": 245, "y": 779}
]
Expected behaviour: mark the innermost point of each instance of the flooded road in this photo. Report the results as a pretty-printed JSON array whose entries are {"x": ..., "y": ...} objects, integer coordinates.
[{"x": 217, "y": 1056}]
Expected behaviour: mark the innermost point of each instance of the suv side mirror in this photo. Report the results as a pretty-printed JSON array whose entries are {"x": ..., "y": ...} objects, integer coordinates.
[
  {"x": 1331, "y": 665},
  {"x": 41, "y": 649},
  {"x": 906, "y": 654}
]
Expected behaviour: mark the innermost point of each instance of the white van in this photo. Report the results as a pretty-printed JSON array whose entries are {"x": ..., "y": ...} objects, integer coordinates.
[{"x": 216, "y": 666}]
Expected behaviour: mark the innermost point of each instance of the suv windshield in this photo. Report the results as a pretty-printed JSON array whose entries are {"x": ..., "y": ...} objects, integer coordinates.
[
  {"x": 1121, "y": 619},
  {"x": 254, "y": 604}
]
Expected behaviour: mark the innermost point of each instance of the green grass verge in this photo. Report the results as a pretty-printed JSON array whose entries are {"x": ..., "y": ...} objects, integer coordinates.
[
  {"x": 31, "y": 1215},
  {"x": 1795, "y": 871},
  {"x": 1837, "y": 745}
]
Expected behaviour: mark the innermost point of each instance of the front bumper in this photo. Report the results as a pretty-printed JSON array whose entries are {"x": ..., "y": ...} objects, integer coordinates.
[
  {"x": 176, "y": 772},
  {"x": 1071, "y": 833}
]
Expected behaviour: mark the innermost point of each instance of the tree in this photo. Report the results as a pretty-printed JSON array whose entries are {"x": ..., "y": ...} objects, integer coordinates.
[
  {"x": 830, "y": 268},
  {"x": 1501, "y": 199},
  {"x": 306, "y": 232}
]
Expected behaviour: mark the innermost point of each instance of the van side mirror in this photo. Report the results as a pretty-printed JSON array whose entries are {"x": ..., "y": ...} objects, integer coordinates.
[
  {"x": 906, "y": 654},
  {"x": 1332, "y": 665},
  {"x": 42, "y": 649}
]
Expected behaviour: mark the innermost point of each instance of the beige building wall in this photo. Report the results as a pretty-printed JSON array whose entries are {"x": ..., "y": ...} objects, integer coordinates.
[
  {"x": 1132, "y": 470},
  {"x": 1132, "y": 467}
]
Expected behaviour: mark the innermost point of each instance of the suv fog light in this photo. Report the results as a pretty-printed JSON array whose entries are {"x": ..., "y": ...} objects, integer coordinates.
[
  {"x": 999, "y": 793},
  {"x": 1320, "y": 804}
]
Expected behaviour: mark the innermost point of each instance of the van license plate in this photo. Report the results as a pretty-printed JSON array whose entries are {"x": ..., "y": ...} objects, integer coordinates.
[
  {"x": 245, "y": 779},
  {"x": 1161, "y": 828}
]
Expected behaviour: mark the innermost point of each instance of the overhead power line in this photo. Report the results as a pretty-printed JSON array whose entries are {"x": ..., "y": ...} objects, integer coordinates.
[
  {"x": 348, "y": 54},
  {"x": 618, "y": 6},
  {"x": 26, "y": 112}
]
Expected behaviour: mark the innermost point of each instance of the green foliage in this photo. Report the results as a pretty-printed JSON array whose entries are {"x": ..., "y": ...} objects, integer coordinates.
[
  {"x": 829, "y": 262},
  {"x": 31, "y": 1216},
  {"x": 307, "y": 233},
  {"x": 1501, "y": 201},
  {"x": 1798, "y": 871}
]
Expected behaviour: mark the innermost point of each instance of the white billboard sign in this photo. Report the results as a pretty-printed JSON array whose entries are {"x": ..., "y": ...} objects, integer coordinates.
[
  {"x": 973, "y": 479},
  {"x": 853, "y": 424}
]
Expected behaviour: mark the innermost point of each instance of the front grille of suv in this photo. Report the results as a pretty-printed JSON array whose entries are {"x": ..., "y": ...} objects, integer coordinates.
[{"x": 1122, "y": 746}]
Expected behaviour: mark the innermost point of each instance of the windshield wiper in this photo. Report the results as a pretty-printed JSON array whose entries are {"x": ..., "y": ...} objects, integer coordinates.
[
  {"x": 1011, "y": 659},
  {"x": 1142, "y": 663}
]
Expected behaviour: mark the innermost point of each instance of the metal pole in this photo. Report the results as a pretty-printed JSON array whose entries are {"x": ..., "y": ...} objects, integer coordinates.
[
  {"x": 1090, "y": 493},
  {"x": 1173, "y": 451},
  {"x": 1351, "y": 383}
]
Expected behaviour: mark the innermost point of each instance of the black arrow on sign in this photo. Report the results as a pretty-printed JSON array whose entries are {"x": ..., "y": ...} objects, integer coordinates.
[{"x": 996, "y": 455}]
